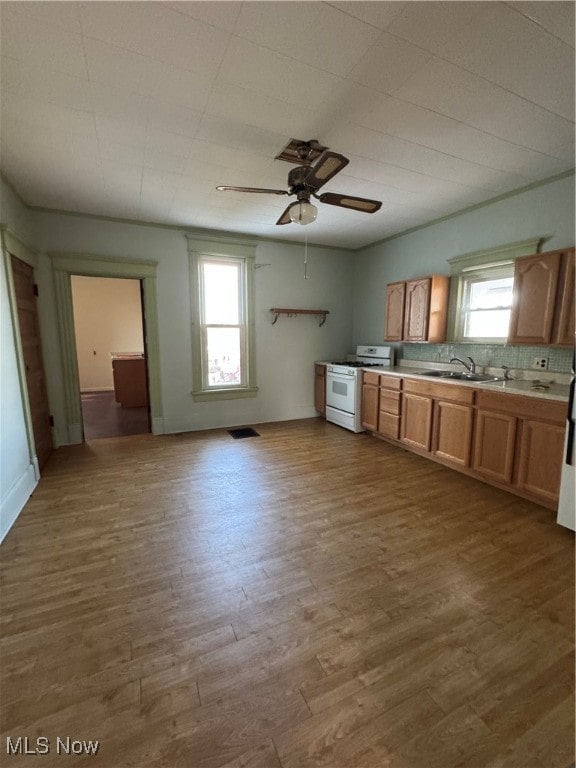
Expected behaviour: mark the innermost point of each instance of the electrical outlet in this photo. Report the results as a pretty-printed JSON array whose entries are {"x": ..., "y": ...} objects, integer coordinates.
[{"x": 541, "y": 363}]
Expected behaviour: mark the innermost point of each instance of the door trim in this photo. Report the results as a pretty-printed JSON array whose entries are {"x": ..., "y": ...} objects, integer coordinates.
[
  {"x": 65, "y": 265},
  {"x": 12, "y": 245}
]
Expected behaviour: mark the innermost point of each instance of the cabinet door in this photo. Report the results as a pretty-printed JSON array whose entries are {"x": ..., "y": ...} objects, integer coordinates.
[
  {"x": 370, "y": 394},
  {"x": 452, "y": 440},
  {"x": 535, "y": 286},
  {"x": 494, "y": 445},
  {"x": 417, "y": 310},
  {"x": 395, "y": 294},
  {"x": 564, "y": 329},
  {"x": 416, "y": 421},
  {"x": 540, "y": 461},
  {"x": 320, "y": 388}
]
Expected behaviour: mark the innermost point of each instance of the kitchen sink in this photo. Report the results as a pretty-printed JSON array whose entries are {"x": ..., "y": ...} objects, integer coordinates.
[{"x": 460, "y": 375}]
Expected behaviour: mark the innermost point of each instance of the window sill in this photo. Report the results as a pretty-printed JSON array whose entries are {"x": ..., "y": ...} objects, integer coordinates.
[{"x": 207, "y": 395}]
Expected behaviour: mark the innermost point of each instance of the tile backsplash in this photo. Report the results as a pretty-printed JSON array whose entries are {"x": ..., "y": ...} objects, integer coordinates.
[{"x": 489, "y": 355}]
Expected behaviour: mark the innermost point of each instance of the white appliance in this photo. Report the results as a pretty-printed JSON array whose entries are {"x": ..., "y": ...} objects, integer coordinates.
[
  {"x": 567, "y": 500},
  {"x": 344, "y": 385}
]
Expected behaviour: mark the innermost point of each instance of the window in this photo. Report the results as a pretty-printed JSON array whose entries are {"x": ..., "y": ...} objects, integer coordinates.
[
  {"x": 223, "y": 365},
  {"x": 481, "y": 291},
  {"x": 485, "y": 303}
]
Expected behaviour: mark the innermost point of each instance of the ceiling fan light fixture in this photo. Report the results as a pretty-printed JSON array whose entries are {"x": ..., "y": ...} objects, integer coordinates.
[{"x": 303, "y": 212}]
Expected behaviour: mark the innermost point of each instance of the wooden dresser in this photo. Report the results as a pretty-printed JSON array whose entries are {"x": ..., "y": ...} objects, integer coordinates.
[{"x": 130, "y": 384}]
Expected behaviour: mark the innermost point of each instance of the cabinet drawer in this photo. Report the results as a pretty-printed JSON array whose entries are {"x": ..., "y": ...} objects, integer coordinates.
[
  {"x": 529, "y": 407},
  {"x": 453, "y": 392},
  {"x": 388, "y": 425},
  {"x": 390, "y": 382},
  {"x": 371, "y": 377},
  {"x": 390, "y": 402}
]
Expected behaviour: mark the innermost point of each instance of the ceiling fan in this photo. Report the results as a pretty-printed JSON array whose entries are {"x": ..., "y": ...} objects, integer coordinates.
[{"x": 305, "y": 181}]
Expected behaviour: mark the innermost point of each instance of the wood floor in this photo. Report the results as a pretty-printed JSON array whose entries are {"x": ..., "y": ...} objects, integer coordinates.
[
  {"x": 304, "y": 598},
  {"x": 102, "y": 416}
]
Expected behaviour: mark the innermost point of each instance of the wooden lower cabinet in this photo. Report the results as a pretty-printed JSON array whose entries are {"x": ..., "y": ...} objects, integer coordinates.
[
  {"x": 416, "y": 422},
  {"x": 389, "y": 406},
  {"x": 320, "y": 388},
  {"x": 370, "y": 402},
  {"x": 494, "y": 446},
  {"x": 519, "y": 443},
  {"x": 381, "y": 403},
  {"x": 512, "y": 441},
  {"x": 452, "y": 435},
  {"x": 540, "y": 459}
]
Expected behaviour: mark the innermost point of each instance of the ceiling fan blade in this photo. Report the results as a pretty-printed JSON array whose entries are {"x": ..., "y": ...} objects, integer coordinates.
[
  {"x": 285, "y": 218},
  {"x": 325, "y": 169},
  {"x": 253, "y": 189},
  {"x": 348, "y": 201}
]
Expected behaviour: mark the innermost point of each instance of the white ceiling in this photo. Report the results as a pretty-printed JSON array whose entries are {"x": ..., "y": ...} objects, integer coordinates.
[{"x": 137, "y": 110}]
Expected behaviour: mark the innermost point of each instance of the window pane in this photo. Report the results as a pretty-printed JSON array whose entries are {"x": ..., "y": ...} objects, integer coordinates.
[
  {"x": 220, "y": 283},
  {"x": 490, "y": 324},
  {"x": 487, "y": 294},
  {"x": 223, "y": 353}
]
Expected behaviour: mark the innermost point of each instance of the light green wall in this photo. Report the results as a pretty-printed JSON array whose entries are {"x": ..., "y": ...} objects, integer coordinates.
[
  {"x": 546, "y": 212},
  {"x": 18, "y": 473},
  {"x": 285, "y": 352}
]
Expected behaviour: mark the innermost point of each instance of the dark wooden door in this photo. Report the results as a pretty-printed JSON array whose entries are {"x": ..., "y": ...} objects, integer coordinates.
[{"x": 32, "y": 351}]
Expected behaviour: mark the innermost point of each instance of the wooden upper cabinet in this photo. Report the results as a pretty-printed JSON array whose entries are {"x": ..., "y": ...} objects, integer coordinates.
[
  {"x": 543, "y": 308},
  {"x": 563, "y": 334},
  {"x": 417, "y": 310},
  {"x": 395, "y": 296}
]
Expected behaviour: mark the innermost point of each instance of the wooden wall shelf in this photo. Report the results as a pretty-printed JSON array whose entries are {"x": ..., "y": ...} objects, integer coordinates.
[{"x": 276, "y": 311}]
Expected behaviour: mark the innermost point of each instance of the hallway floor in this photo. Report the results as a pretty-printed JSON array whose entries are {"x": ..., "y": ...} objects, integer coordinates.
[{"x": 104, "y": 417}]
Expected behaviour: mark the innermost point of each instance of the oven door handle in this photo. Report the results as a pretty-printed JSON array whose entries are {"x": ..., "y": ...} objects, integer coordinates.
[{"x": 340, "y": 376}]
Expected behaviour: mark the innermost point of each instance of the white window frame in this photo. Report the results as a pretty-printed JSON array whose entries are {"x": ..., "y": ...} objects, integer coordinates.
[
  {"x": 469, "y": 277},
  {"x": 230, "y": 251},
  {"x": 487, "y": 263}
]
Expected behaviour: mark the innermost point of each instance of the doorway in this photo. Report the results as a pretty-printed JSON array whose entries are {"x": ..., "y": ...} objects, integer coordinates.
[
  {"x": 25, "y": 294},
  {"x": 111, "y": 356}
]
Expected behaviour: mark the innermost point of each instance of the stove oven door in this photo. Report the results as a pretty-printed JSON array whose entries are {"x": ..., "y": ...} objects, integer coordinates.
[{"x": 341, "y": 391}]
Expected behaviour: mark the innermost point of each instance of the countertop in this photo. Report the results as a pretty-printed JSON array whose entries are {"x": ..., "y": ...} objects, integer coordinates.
[{"x": 553, "y": 391}]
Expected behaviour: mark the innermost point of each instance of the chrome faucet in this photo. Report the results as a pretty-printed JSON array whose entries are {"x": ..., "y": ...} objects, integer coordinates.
[{"x": 471, "y": 366}]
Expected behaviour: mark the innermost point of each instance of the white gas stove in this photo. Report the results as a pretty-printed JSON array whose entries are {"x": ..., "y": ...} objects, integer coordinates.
[{"x": 344, "y": 385}]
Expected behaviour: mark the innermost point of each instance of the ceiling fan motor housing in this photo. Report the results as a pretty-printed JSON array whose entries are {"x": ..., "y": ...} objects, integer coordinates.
[{"x": 297, "y": 178}]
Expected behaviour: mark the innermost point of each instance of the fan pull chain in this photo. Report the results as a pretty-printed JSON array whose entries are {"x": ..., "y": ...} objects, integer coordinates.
[{"x": 305, "y": 255}]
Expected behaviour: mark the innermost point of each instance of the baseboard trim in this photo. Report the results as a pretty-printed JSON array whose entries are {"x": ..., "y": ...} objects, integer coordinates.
[
  {"x": 17, "y": 497},
  {"x": 157, "y": 426}
]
